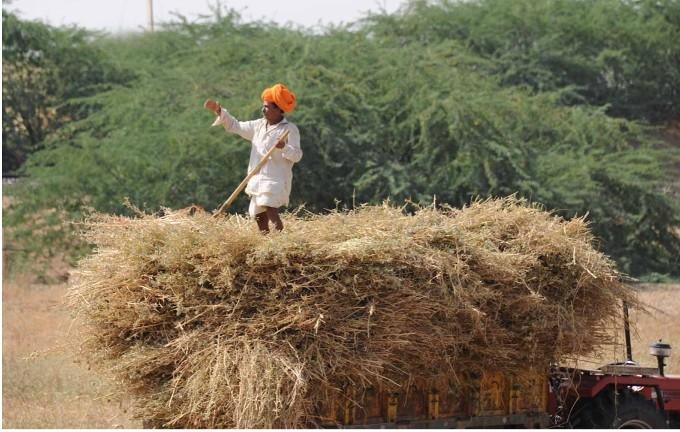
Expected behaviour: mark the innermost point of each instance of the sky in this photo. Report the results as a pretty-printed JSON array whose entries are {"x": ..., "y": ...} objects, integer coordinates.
[{"x": 131, "y": 15}]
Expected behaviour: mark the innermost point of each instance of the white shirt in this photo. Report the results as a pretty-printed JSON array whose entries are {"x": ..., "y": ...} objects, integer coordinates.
[{"x": 276, "y": 176}]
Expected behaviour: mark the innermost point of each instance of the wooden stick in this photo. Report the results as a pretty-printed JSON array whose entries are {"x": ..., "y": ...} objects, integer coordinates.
[{"x": 243, "y": 184}]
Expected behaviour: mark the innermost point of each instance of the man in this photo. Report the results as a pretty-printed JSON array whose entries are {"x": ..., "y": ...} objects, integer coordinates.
[{"x": 270, "y": 188}]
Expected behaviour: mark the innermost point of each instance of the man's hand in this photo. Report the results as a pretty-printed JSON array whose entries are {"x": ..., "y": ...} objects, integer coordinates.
[
  {"x": 212, "y": 106},
  {"x": 280, "y": 144}
]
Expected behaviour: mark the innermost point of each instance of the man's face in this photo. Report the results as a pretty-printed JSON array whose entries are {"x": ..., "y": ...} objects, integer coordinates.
[{"x": 271, "y": 112}]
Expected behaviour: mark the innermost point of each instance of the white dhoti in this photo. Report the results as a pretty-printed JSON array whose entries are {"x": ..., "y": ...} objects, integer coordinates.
[{"x": 260, "y": 201}]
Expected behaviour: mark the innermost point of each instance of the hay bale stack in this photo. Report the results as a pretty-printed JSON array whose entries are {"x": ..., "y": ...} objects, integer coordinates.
[{"x": 211, "y": 324}]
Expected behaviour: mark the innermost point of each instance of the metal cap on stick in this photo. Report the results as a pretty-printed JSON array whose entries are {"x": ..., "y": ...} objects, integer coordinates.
[{"x": 660, "y": 350}]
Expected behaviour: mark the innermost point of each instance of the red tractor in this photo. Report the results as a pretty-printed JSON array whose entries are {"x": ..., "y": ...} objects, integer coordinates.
[
  {"x": 622, "y": 395},
  {"x": 615, "y": 396}
]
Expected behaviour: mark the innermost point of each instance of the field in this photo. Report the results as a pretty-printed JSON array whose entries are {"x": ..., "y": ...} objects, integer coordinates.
[
  {"x": 45, "y": 387},
  {"x": 661, "y": 321}
]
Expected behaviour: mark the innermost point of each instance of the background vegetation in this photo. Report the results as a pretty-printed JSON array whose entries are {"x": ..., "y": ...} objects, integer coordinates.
[
  {"x": 559, "y": 101},
  {"x": 45, "y": 71}
]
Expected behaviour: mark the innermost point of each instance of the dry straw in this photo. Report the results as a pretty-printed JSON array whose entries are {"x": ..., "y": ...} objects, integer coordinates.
[{"x": 210, "y": 324}]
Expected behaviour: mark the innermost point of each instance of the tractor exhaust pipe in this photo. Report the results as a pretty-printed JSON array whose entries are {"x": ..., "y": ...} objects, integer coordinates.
[
  {"x": 626, "y": 332},
  {"x": 660, "y": 350}
]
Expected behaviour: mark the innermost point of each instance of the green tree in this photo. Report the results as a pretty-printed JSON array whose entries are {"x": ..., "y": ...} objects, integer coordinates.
[
  {"x": 45, "y": 70},
  {"x": 619, "y": 53}
]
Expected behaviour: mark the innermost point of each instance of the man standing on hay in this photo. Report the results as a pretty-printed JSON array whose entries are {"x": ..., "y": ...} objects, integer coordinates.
[{"x": 269, "y": 188}]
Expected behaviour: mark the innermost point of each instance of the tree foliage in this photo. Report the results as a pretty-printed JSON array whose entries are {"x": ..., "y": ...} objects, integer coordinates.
[
  {"x": 620, "y": 53},
  {"x": 45, "y": 69},
  {"x": 403, "y": 106}
]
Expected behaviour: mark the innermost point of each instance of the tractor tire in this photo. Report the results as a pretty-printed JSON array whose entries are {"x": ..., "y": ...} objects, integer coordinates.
[{"x": 629, "y": 411}]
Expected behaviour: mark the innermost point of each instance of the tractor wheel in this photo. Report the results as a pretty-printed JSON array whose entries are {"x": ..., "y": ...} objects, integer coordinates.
[
  {"x": 629, "y": 411},
  {"x": 636, "y": 412}
]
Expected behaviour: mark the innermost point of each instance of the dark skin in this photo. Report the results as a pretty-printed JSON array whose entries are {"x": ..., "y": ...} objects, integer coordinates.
[{"x": 274, "y": 115}]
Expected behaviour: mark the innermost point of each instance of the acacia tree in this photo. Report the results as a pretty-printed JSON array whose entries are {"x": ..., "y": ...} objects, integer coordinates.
[
  {"x": 45, "y": 70},
  {"x": 622, "y": 54}
]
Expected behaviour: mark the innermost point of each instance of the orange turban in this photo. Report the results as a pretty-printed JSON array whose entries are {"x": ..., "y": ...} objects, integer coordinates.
[{"x": 281, "y": 96}]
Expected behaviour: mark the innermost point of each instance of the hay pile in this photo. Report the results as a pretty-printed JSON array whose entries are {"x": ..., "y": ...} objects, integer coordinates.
[{"x": 213, "y": 325}]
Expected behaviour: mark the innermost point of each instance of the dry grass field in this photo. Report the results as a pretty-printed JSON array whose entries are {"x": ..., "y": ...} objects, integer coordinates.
[
  {"x": 660, "y": 321},
  {"x": 43, "y": 386}
]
